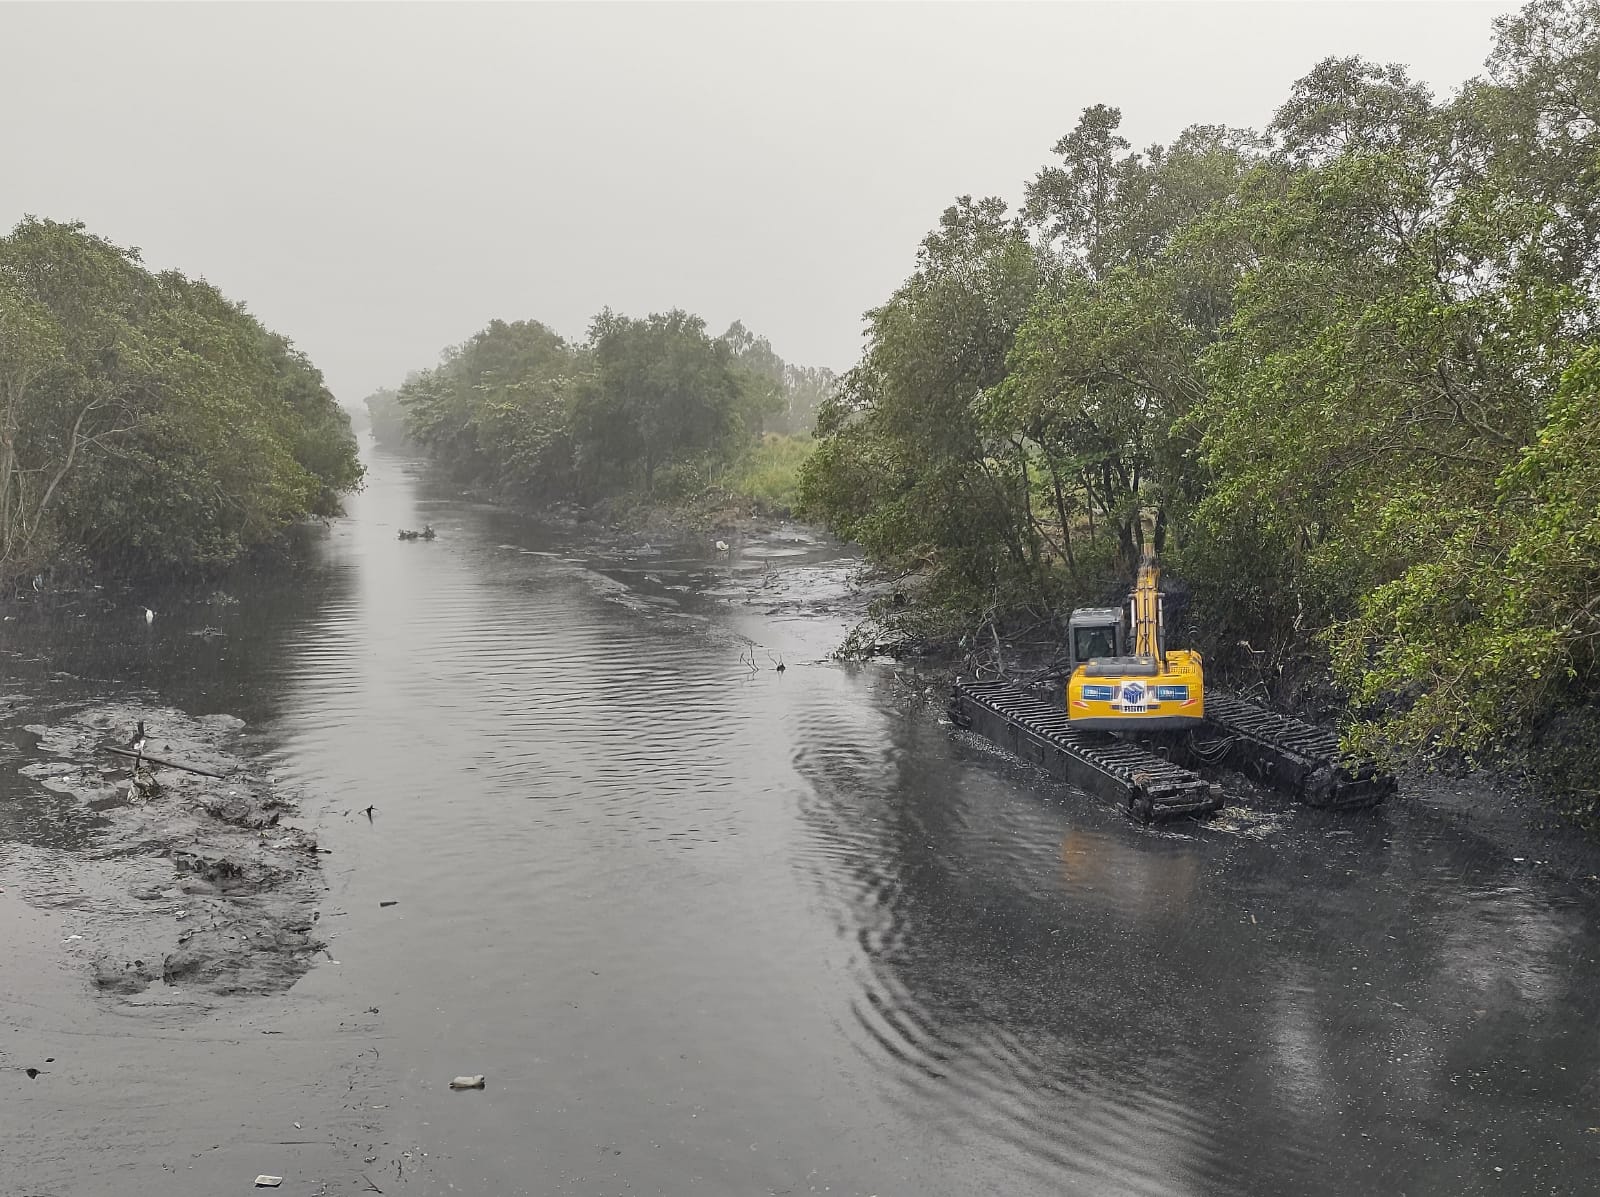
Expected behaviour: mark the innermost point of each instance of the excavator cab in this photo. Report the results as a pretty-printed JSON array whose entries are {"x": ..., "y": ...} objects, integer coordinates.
[
  {"x": 1123, "y": 677},
  {"x": 1094, "y": 633}
]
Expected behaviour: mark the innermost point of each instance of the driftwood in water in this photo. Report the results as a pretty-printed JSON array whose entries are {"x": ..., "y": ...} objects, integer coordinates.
[{"x": 155, "y": 760}]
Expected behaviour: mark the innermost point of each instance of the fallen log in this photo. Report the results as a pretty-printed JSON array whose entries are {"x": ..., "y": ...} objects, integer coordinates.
[{"x": 155, "y": 760}]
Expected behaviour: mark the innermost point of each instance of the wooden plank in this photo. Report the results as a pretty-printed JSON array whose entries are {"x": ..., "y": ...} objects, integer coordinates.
[{"x": 155, "y": 760}]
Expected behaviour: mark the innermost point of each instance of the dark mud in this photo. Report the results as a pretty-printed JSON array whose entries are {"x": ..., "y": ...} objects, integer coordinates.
[{"x": 191, "y": 883}]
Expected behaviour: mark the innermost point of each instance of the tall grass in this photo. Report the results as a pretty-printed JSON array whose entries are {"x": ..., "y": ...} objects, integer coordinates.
[{"x": 769, "y": 471}]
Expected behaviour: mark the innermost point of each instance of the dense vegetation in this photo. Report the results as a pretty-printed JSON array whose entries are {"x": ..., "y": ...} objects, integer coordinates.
[
  {"x": 146, "y": 422},
  {"x": 387, "y": 417},
  {"x": 651, "y": 408},
  {"x": 1344, "y": 371}
]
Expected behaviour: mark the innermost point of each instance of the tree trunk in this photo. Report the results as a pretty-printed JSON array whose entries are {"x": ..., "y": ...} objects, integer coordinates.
[
  {"x": 1061, "y": 514},
  {"x": 1027, "y": 506},
  {"x": 1003, "y": 525}
]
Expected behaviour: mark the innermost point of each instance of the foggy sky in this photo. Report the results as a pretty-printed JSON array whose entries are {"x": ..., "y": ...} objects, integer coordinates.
[{"x": 379, "y": 181}]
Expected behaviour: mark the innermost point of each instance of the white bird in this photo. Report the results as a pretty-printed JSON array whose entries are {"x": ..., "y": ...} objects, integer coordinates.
[
  {"x": 149, "y": 615},
  {"x": 722, "y": 546}
]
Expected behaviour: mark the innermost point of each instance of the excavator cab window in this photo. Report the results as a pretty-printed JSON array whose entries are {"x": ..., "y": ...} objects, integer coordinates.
[{"x": 1089, "y": 643}]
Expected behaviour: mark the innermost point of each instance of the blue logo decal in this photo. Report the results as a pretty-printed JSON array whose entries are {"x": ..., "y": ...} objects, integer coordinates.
[
  {"x": 1097, "y": 693},
  {"x": 1172, "y": 693},
  {"x": 1132, "y": 692}
]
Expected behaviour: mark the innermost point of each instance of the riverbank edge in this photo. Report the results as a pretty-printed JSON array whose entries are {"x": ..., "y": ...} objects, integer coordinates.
[
  {"x": 1550, "y": 776},
  {"x": 70, "y": 577}
]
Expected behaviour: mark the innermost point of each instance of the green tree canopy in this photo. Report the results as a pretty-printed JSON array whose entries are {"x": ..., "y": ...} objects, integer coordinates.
[
  {"x": 145, "y": 420},
  {"x": 1346, "y": 365},
  {"x": 640, "y": 406}
]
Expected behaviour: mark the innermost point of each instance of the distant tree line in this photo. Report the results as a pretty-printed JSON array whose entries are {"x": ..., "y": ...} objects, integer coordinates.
[
  {"x": 1345, "y": 372},
  {"x": 651, "y": 407},
  {"x": 386, "y": 417},
  {"x": 147, "y": 423}
]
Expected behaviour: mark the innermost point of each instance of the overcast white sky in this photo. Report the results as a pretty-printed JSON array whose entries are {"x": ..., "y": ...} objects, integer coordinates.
[{"x": 378, "y": 181}]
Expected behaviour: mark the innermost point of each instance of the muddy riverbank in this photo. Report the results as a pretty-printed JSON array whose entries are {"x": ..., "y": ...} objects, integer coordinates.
[{"x": 198, "y": 882}]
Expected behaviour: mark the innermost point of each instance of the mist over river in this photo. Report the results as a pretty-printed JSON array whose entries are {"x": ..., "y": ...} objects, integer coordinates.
[{"x": 708, "y": 929}]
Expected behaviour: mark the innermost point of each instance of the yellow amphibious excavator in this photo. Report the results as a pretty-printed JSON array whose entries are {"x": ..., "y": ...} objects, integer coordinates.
[
  {"x": 1146, "y": 689},
  {"x": 1124, "y": 680}
]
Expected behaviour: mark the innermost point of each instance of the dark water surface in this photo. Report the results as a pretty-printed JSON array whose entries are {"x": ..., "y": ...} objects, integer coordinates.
[{"x": 715, "y": 932}]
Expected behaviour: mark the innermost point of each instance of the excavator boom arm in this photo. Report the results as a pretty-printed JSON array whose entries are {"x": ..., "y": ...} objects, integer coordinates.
[{"x": 1145, "y": 604}]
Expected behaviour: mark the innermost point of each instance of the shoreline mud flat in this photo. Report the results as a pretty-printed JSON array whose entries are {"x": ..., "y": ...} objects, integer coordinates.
[
  {"x": 166, "y": 1030},
  {"x": 175, "y": 885}
]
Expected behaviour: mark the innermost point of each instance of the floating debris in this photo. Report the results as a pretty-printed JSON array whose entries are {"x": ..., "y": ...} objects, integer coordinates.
[
  {"x": 142, "y": 758},
  {"x": 467, "y": 1082}
]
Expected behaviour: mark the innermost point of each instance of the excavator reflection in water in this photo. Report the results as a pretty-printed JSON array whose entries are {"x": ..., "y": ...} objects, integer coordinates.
[{"x": 1126, "y": 876}]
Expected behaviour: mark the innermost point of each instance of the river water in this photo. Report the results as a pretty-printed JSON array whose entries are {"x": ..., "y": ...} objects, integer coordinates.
[{"x": 715, "y": 930}]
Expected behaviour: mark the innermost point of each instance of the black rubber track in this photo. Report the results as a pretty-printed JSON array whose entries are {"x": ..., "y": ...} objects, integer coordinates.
[
  {"x": 1295, "y": 756},
  {"x": 1148, "y": 786},
  {"x": 1282, "y": 751}
]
